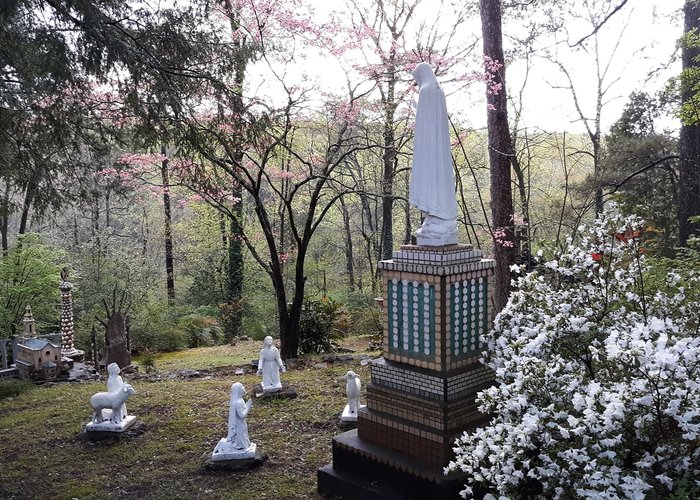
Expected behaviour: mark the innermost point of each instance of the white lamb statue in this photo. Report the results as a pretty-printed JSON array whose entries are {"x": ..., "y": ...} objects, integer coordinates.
[{"x": 112, "y": 401}]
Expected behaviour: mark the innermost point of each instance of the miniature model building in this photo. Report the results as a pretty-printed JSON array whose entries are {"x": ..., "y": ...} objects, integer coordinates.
[
  {"x": 35, "y": 357},
  {"x": 67, "y": 328},
  {"x": 38, "y": 358},
  {"x": 29, "y": 329}
]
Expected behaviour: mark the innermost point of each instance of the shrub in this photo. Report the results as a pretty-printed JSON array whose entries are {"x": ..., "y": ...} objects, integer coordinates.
[
  {"x": 597, "y": 391},
  {"x": 202, "y": 328},
  {"x": 321, "y": 322},
  {"x": 365, "y": 317},
  {"x": 154, "y": 328}
]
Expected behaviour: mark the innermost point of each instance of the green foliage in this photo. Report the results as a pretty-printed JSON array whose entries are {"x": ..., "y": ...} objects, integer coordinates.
[
  {"x": 686, "y": 268},
  {"x": 690, "y": 82},
  {"x": 685, "y": 489},
  {"x": 155, "y": 328},
  {"x": 633, "y": 145},
  {"x": 159, "y": 327},
  {"x": 149, "y": 362},
  {"x": 364, "y": 315},
  {"x": 14, "y": 387},
  {"x": 203, "y": 255},
  {"x": 29, "y": 275},
  {"x": 202, "y": 327},
  {"x": 322, "y": 321}
]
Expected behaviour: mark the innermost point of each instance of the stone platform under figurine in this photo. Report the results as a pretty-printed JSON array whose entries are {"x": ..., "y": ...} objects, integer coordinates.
[
  {"x": 421, "y": 394},
  {"x": 129, "y": 428},
  {"x": 234, "y": 464},
  {"x": 349, "y": 416},
  {"x": 108, "y": 426},
  {"x": 283, "y": 392},
  {"x": 225, "y": 450}
]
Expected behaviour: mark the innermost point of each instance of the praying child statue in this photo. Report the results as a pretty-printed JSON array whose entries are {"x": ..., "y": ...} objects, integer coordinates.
[
  {"x": 236, "y": 445},
  {"x": 269, "y": 366}
]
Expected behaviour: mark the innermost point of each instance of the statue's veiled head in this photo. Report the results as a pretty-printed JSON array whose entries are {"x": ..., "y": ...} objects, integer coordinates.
[
  {"x": 237, "y": 390},
  {"x": 423, "y": 74}
]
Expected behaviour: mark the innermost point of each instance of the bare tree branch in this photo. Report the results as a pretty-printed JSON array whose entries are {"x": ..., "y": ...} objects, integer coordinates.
[
  {"x": 602, "y": 23},
  {"x": 657, "y": 163}
]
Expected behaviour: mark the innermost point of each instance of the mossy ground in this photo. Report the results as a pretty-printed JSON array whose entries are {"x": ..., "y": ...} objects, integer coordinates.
[{"x": 43, "y": 454}]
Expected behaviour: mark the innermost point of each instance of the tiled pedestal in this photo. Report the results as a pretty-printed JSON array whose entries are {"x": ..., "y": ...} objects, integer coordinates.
[{"x": 421, "y": 395}]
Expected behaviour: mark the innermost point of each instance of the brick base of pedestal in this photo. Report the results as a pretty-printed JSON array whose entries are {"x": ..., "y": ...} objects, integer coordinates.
[{"x": 364, "y": 471}]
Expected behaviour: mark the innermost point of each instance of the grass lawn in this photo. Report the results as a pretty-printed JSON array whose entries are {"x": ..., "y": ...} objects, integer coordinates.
[{"x": 43, "y": 454}]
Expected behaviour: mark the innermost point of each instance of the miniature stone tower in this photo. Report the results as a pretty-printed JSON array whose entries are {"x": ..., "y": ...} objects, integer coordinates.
[
  {"x": 28, "y": 321},
  {"x": 67, "y": 333}
]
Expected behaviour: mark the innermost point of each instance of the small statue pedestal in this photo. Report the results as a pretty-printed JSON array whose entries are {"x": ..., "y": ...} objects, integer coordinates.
[
  {"x": 221, "y": 463},
  {"x": 284, "y": 391},
  {"x": 128, "y": 428},
  {"x": 224, "y": 450},
  {"x": 109, "y": 416},
  {"x": 107, "y": 426},
  {"x": 348, "y": 415}
]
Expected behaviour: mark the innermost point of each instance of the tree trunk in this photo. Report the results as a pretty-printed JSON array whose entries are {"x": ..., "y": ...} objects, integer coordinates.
[
  {"x": 235, "y": 247},
  {"x": 689, "y": 171},
  {"x": 28, "y": 199},
  {"x": 389, "y": 159},
  {"x": 522, "y": 241},
  {"x": 169, "y": 267},
  {"x": 4, "y": 219},
  {"x": 500, "y": 154},
  {"x": 350, "y": 268}
]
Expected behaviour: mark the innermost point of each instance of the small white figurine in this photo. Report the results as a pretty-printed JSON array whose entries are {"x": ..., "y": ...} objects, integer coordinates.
[
  {"x": 236, "y": 444},
  {"x": 269, "y": 366},
  {"x": 353, "y": 392},
  {"x": 114, "y": 384},
  {"x": 112, "y": 401}
]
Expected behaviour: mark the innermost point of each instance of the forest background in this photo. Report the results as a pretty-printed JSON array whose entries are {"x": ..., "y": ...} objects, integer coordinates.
[{"x": 238, "y": 167}]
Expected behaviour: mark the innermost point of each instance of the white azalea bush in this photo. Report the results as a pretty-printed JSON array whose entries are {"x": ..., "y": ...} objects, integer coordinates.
[{"x": 597, "y": 390}]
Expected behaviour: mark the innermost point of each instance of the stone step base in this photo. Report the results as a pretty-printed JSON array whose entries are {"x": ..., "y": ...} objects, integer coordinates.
[
  {"x": 425, "y": 443},
  {"x": 365, "y": 471}
]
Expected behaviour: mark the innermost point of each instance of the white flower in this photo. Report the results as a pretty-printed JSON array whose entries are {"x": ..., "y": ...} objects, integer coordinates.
[{"x": 592, "y": 372}]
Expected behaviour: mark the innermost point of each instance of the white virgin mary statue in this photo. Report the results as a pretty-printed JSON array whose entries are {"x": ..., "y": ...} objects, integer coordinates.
[{"x": 432, "y": 188}]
